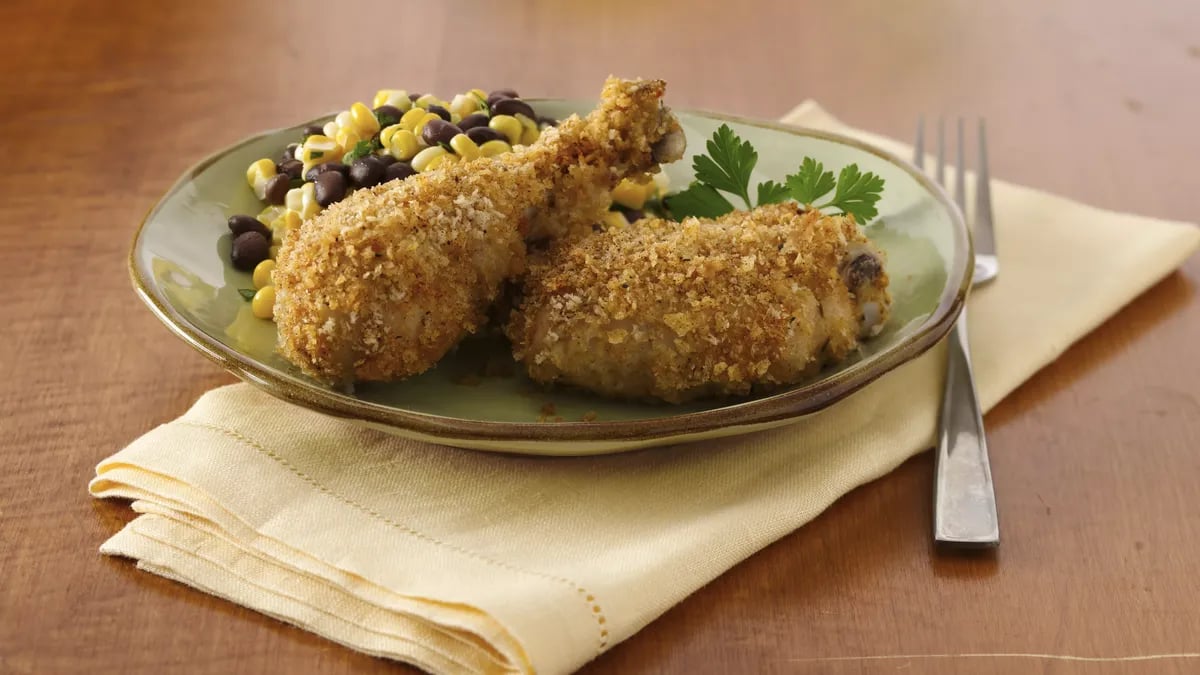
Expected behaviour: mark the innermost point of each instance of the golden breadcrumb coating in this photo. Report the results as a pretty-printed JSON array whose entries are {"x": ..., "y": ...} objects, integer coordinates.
[
  {"x": 382, "y": 284},
  {"x": 677, "y": 311},
  {"x": 616, "y": 141}
]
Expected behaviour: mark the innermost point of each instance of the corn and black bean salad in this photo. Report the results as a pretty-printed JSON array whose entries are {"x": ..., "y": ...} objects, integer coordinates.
[{"x": 403, "y": 134}]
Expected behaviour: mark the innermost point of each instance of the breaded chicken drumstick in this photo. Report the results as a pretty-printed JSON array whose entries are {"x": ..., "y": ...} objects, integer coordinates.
[
  {"x": 677, "y": 311},
  {"x": 382, "y": 284}
]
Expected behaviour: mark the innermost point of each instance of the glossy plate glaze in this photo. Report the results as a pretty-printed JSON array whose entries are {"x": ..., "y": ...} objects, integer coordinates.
[{"x": 477, "y": 397}]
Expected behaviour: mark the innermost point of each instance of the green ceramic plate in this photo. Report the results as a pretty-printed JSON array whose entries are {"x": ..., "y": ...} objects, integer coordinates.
[{"x": 179, "y": 263}]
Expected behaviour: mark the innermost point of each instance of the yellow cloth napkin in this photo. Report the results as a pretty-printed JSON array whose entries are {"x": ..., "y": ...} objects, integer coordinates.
[{"x": 458, "y": 561}]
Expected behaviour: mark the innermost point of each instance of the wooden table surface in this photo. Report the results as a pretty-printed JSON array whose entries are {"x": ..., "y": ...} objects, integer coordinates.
[{"x": 1096, "y": 459}]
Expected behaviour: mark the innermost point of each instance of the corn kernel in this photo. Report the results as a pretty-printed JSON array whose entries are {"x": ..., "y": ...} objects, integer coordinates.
[
  {"x": 662, "y": 184},
  {"x": 493, "y": 148},
  {"x": 273, "y": 252},
  {"x": 615, "y": 219},
  {"x": 386, "y": 133},
  {"x": 428, "y": 100},
  {"x": 263, "y": 303},
  {"x": 399, "y": 142},
  {"x": 292, "y": 219},
  {"x": 442, "y": 161},
  {"x": 308, "y": 201},
  {"x": 291, "y": 201},
  {"x": 330, "y": 129},
  {"x": 397, "y": 98},
  {"x": 347, "y": 137},
  {"x": 404, "y": 145},
  {"x": 270, "y": 215},
  {"x": 423, "y": 158},
  {"x": 530, "y": 131},
  {"x": 257, "y": 175},
  {"x": 262, "y": 273},
  {"x": 526, "y": 121},
  {"x": 342, "y": 119},
  {"x": 319, "y": 149},
  {"x": 632, "y": 194},
  {"x": 298, "y": 154},
  {"x": 363, "y": 119},
  {"x": 463, "y": 105},
  {"x": 509, "y": 126},
  {"x": 464, "y": 147},
  {"x": 302, "y": 201},
  {"x": 410, "y": 118},
  {"x": 479, "y": 94}
]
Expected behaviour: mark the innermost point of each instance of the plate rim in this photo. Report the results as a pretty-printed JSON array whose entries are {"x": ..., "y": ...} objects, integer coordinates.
[{"x": 794, "y": 403}]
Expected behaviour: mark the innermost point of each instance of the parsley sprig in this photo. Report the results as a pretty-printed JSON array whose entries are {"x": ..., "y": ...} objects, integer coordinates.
[
  {"x": 361, "y": 149},
  {"x": 730, "y": 161}
]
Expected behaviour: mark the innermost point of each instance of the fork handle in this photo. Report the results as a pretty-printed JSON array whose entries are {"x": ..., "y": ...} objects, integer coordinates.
[{"x": 964, "y": 508}]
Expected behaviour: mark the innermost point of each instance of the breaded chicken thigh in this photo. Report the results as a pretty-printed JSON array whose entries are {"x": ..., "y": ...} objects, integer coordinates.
[
  {"x": 677, "y": 311},
  {"x": 382, "y": 284}
]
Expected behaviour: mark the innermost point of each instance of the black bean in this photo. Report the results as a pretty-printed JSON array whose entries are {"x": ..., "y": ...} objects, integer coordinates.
[
  {"x": 329, "y": 187},
  {"x": 249, "y": 249},
  {"x": 473, "y": 120},
  {"x": 365, "y": 172},
  {"x": 506, "y": 93},
  {"x": 440, "y": 112},
  {"x": 631, "y": 215},
  {"x": 512, "y": 106},
  {"x": 439, "y": 131},
  {"x": 482, "y": 135},
  {"x": 291, "y": 168},
  {"x": 289, "y": 153},
  {"x": 327, "y": 166},
  {"x": 385, "y": 160},
  {"x": 398, "y": 170},
  {"x": 862, "y": 270},
  {"x": 277, "y": 189},
  {"x": 388, "y": 111},
  {"x": 240, "y": 225},
  {"x": 313, "y": 130},
  {"x": 414, "y": 96}
]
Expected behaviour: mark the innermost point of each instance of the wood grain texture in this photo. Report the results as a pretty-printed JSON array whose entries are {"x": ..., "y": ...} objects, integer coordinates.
[{"x": 1095, "y": 458}]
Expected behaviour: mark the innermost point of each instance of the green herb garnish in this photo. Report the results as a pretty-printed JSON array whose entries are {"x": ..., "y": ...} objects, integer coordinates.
[
  {"x": 483, "y": 105},
  {"x": 317, "y": 154},
  {"x": 361, "y": 149},
  {"x": 700, "y": 200},
  {"x": 770, "y": 192},
  {"x": 810, "y": 182},
  {"x": 728, "y": 165},
  {"x": 247, "y": 293},
  {"x": 385, "y": 121},
  {"x": 727, "y": 168},
  {"x": 856, "y": 192}
]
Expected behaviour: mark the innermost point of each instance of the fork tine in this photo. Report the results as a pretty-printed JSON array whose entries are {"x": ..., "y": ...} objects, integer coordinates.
[
  {"x": 985, "y": 242},
  {"x": 960, "y": 173},
  {"x": 919, "y": 144},
  {"x": 941, "y": 153}
]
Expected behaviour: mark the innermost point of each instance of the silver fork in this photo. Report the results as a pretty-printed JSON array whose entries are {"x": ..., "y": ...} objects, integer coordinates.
[{"x": 964, "y": 499}]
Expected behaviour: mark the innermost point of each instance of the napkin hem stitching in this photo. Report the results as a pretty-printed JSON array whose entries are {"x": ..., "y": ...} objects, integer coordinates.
[
  {"x": 206, "y": 588},
  {"x": 588, "y": 597}
]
